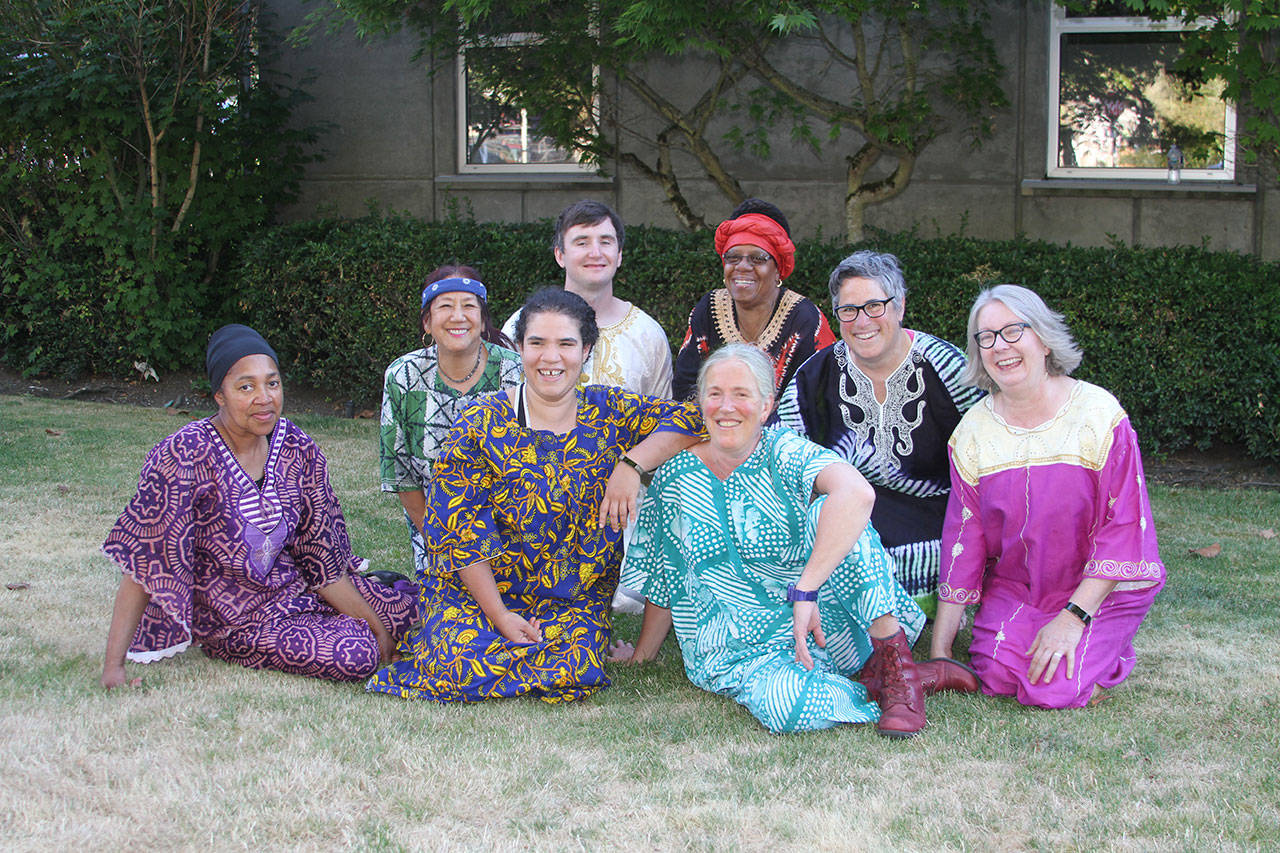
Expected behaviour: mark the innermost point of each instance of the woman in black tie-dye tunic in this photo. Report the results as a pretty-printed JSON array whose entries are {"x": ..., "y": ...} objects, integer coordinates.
[{"x": 886, "y": 399}]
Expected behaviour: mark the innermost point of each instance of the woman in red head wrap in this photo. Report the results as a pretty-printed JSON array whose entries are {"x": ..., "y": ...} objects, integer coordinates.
[{"x": 755, "y": 249}]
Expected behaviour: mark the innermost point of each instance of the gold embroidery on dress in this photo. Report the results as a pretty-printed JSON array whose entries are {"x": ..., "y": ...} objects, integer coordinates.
[
  {"x": 727, "y": 327},
  {"x": 986, "y": 445},
  {"x": 603, "y": 368}
]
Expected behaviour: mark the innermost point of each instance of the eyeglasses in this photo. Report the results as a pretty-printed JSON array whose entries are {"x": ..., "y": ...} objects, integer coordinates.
[
  {"x": 873, "y": 308},
  {"x": 732, "y": 259},
  {"x": 1011, "y": 333}
]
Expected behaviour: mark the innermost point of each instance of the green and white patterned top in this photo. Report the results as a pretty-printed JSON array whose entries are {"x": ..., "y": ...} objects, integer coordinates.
[{"x": 419, "y": 410}]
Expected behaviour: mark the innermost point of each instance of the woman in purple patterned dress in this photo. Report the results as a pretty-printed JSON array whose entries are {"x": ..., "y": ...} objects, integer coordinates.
[{"x": 236, "y": 540}]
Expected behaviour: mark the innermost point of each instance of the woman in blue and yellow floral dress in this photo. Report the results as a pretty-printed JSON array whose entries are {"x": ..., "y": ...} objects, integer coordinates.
[{"x": 523, "y": 524}]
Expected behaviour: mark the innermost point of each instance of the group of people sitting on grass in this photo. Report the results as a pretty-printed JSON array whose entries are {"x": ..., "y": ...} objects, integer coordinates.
[{"x": 796, "y": 505}]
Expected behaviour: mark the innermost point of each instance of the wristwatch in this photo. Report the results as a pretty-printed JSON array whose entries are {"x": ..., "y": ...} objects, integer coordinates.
[
  {"x": 1079, "y": 612},
  {"x": 646, "y": 477},
  {"x": 794, "y": 594}
]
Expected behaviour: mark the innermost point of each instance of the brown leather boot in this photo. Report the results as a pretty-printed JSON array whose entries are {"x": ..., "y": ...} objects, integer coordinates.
[
  {"x": 939, "y": 674},
  {"x": 901, "y": 697},
  {"x": 936, "y": 675},
  {"x": 869, "y": 676}
]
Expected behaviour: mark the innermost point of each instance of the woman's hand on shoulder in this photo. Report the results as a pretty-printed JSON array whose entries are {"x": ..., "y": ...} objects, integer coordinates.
[{"x": 517, "y": 629}]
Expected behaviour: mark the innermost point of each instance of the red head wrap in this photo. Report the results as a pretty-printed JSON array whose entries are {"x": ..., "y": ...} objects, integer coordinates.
[{"x": 756, "y": 229}]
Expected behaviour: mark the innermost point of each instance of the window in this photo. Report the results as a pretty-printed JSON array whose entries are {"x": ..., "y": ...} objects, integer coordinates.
[
  {"x": 1117, "y": 105},
  {"x": 496, "y": 133}
]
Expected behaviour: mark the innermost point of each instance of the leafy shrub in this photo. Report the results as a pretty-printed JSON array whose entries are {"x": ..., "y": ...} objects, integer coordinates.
[
  {"x": 1187, "y": 339},
  {"x": 139, "y": 143}
]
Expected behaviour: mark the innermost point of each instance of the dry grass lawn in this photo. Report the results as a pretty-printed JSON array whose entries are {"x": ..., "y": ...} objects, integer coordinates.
[{"x": 210, "y": 756}]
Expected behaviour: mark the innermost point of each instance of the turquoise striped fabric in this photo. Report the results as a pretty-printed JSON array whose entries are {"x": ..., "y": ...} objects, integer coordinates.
[{"x": 720, "y": 556}]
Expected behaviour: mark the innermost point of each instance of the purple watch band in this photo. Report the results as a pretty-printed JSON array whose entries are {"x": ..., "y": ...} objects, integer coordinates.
[{"x": 794, "y": 594}]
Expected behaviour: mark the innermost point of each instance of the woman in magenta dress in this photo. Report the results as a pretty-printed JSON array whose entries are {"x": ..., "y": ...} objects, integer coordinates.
[
  {"x": 235, "y": 540},
  {"x": 1048, "y": 529}
]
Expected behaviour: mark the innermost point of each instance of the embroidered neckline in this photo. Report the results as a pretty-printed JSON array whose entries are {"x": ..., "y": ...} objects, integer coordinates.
[
  {"x": 887, "y": 421},
  {"x": 1066, "y": 406},
  {"x": 260, "y": 507},
  {"x": 626, "y": 318},
  {"x": 725, "y": 318}
]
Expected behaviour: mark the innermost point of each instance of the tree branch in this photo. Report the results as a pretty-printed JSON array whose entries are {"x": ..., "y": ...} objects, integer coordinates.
[{"x": 696, "y": 144}]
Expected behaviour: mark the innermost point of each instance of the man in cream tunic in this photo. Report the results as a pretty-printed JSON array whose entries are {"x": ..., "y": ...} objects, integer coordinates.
[{"x": 633, "y": 351}]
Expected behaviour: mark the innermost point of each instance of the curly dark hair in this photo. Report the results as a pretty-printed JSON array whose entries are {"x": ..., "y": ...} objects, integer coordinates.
[
  {"x": 764, "y": 208},
  {"x": 559, "y": 301}
]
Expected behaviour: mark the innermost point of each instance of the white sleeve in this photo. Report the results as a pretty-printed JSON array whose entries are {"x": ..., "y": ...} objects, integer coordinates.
[
  {"x": 509, "y": 327},
  {"x": 659, "y": 384}
]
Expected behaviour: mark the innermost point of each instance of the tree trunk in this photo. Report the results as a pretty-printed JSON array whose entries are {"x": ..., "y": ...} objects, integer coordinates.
[
  {"x": 859, "y": 195},
  {"x": 692, "y": 128},
  {"x": 664, "y": 176}
]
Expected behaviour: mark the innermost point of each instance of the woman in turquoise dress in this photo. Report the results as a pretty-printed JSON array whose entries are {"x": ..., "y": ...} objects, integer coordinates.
[
  {"x": 777, "y": 603},
  {"x": 523, "y": 523}
]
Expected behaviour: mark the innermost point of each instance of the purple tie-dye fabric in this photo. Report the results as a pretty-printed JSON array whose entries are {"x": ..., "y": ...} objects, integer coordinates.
[{"x": 219, "y": 557}]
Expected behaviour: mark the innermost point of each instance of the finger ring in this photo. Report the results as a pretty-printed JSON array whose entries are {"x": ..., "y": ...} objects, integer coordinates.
[{"x": 1057, "y": 654}]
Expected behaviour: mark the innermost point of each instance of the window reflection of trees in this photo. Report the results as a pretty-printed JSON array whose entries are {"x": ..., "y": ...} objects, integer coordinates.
[
  {"x": 1122, "y": 104},
  {"x": 501, "y": 129}
]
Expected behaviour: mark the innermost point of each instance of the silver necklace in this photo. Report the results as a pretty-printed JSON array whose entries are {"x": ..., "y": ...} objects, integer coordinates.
[{"x": 474, "y": 368}]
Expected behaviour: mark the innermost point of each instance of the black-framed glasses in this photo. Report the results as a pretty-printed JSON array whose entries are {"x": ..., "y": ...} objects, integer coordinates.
[
  {"x": 732, "y": 259},
  {"x": 873, "y": 308},
  {"x": 1011, "y": 333}
]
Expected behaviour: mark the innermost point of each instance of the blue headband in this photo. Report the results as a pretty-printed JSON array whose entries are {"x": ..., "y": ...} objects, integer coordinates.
[{"x": 449, "y": 285}]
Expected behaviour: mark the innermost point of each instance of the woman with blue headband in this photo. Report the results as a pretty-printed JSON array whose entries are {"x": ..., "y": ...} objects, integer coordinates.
[{"x": 463, "y": 356}]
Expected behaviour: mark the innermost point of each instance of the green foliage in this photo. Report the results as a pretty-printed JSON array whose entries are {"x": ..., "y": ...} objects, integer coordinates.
[
  {"x": 1187, "y": 339},
  {"x": 139, "y": 142}
]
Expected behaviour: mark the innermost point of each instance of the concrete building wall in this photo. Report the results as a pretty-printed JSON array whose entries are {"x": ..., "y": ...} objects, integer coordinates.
[{"x": 393, "y": 142}]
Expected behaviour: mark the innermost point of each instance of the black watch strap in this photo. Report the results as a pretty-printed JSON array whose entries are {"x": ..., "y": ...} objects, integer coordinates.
[
  {"x": 1079, "y": 612},
  {"x": 646, "y": 477}
]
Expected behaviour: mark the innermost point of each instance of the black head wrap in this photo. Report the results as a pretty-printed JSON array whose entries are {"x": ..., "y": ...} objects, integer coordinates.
[{"x": 230, "y": 344}]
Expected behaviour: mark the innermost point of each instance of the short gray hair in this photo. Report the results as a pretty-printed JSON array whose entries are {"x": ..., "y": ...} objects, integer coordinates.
[
  {"x": 881, "y": 267},
  {"x": 752, "y": 356},
  {"x": 1051, "y": 327}
]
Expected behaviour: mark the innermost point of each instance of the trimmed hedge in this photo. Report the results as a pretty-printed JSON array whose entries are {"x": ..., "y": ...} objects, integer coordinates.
[{"x": 1187, "y": 339}]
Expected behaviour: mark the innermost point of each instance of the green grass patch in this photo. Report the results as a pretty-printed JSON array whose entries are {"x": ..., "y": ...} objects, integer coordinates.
[{"x": 208, "y": 754}]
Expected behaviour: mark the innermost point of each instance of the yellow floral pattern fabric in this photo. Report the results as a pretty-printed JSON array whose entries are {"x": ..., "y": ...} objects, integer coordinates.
[{"x": 528, "y": 501}]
